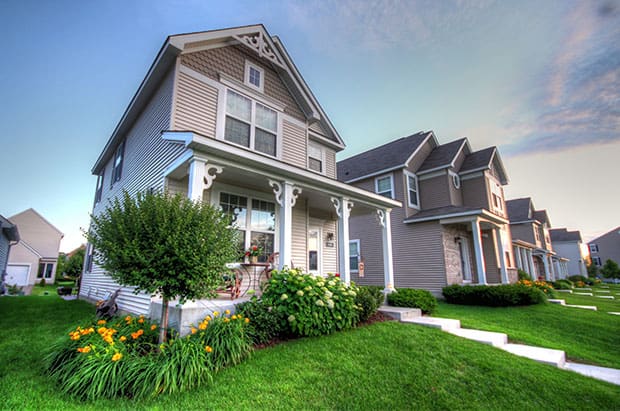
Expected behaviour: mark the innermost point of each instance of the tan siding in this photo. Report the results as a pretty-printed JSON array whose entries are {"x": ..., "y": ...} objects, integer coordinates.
[
  {"x": 20, "y": 255},
  {"x": 475, "y": 192},
  {"x": 196, "y": 106},
  {"x": 146, "y": 157},
  {"x": 231, "y": 61},
  {"x": 419, "y": 158},
  {"x": 174, "y": 186},
  {"x": 330, "y": 163},
  {"x": 318, "y": 128},
  {"x": 300, "y": 231},
  {"x": 434, "y": 192},
  {"x": 294, "y": 144},
  {"x": 38, "y": 233}
]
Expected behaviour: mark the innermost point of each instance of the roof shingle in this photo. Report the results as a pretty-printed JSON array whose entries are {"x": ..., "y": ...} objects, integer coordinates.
[
  {"x": 562, "y": 234},
  {"x": 478, "y": 159},
  {"x": 443, "y": 155}
]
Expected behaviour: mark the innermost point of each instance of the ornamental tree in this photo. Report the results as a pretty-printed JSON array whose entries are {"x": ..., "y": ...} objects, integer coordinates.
[
  {"x": 162, "y": 244},
  {"x": 610, "y": 269}
]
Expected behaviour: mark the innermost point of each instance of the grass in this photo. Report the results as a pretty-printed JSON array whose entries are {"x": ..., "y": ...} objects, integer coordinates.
[
  {"x": 382, "y": 366},
  {"x": 603, "y": 304},
  {"x": 586, "y": 336}
]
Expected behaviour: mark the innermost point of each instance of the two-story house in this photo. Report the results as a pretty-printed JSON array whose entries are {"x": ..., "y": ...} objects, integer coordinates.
[
  {"x": 531, "y": 240},
  {"x": 452, "y": 227},
  {"x": 225, "y": 117},
  {"x": 570, "y": 247},
  {"x": 35, "y": 256},
  {"x": 605, "y": 247}
]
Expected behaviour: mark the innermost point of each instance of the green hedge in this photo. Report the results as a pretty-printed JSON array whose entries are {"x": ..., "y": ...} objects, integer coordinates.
[
  {"x": 563, "y": 284},
  {"x": 369, "y": 298},
  {"x": 494, "y": 296},
  {"x": 409, "y": 297}
]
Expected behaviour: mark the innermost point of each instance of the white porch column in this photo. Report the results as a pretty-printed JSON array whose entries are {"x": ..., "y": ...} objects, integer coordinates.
[
  {"x": 533, "y": 272},
  {"x": 286, "y": 196},
  {"x": 388, "y": 262},
  {"x": 343, "y": 209},
  {"x": 480, "y": 266},
  {"x": 197, "y": 171},
  {"x": 517, "y": 251},
  {"x": 546, "y": 264},
  {"x": 502, "y": 255}
]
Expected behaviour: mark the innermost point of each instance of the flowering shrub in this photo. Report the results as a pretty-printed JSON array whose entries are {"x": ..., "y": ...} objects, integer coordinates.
[
  {"x": 311, "y": 305},
  {"x": 121, "y": 357},
  {"x": 543, "y": 286}
]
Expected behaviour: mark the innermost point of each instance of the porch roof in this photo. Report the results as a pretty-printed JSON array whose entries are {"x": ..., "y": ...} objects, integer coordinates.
[
  {"x": 524, "y": 244},
  {"x": 442, "y": 213},
  {"x": 220, "y": 153}
]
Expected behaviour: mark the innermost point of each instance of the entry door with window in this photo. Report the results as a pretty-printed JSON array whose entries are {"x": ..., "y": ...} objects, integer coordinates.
[
  {"x": 314, "y": 251},
  {"x": 465, "y": 261}
]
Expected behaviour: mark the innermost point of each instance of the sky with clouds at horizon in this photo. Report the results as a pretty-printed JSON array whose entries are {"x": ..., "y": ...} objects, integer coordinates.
[{"x": 538, "y": 79}]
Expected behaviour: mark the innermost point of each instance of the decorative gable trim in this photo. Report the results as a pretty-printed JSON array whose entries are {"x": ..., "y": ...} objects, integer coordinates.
[{"x": 256, "y": 42}]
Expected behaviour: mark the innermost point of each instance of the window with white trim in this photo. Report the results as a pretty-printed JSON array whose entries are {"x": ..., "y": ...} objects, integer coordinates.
[
  {"x": 316, "y": 158},
  {"x": 597, "y": 261},
  {"x": 99, "y": 187},
  {"x": 254, "y": 76},
  {"x": 254, "y": 218},
  {"x": 413, "y": 193},
  {"x": 456, "y": 180},
  {"x": 354, "y": 255},
  {"x": 385, "y": 186},
  {"x": 89, "y": 258},
  {"x": 497, "y": 197},
  {"x": 117, "y": 166},
  {"x": 250, "y": 124},
  {"x": 594, "y": 248}
]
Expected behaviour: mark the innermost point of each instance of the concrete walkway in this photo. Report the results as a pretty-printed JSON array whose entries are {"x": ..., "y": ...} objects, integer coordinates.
[{"x": 557, "y": 358}]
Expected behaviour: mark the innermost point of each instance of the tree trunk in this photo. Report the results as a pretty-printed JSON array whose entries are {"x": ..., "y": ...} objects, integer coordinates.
[{"x": 164, "y": 320}]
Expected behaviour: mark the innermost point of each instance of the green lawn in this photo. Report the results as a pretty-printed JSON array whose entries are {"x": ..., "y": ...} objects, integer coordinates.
[
  {"x": 603, "y": 304},
  {"x": 586, "y": 336},
  {"x": 382, "y": 366}
]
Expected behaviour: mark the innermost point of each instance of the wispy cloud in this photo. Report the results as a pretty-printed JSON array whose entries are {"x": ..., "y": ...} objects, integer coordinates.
[{"x": 581, "y": 100}]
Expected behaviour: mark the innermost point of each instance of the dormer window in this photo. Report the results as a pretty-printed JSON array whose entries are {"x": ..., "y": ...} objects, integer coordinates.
[
  {"x": 316, "y": 158},
  {"x": 385, "y": 186},
  {"x": 254, "y": 76}
]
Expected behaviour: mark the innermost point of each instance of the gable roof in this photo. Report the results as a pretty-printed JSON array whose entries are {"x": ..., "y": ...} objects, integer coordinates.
[
  {"x": 542, "y": 216},
  {"x": 485, "y": 159},
  {"x": 39, "y": 216},
  {"x": 519, "y": 209},
  {"x": 615, "y": 231},
  {"x": 443, "y": 156},
  {"x": 388, "y": 157},
  {"x": 255, "y": 38},
  {"x": 562, "y": 234}
]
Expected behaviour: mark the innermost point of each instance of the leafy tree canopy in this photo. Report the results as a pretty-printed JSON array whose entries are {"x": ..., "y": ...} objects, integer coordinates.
[{"x": 610, "y": 269}]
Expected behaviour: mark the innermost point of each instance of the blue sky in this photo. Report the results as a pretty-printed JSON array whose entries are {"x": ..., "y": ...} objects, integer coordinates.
[{"x": 539, "y": 79}]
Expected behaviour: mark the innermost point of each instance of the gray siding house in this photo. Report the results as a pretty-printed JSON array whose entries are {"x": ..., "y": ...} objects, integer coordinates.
[
  {"x": 605, "y": 247},
  {"x": 569, "y": 245},
  {"x": 224, "y": 117},
  {"x": 531, "y": 239},
  {"x": 452, "y": 227},
  {"x": 9, "y": 236}
]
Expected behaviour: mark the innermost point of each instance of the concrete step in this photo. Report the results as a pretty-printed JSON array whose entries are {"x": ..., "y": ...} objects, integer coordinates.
[
  {"x": 609, "y": 297},
  {"x": 590, "y": 294},
  {"x": 613, "y": 313},
  {"x": 485, "y": 337},
  {"x": 583, "y": 289},
  {"x": 556, "y": 358},
  {"x": 445, "y": 324},
  {"x": 600, "y": 373},
  {"x": 602, "y": 291},
  {"x": 565, "y": 291},
  {"x": 554, "y": 301},
  {"x": 585, "y": 307},
  {"x": 400, "y": 313}
]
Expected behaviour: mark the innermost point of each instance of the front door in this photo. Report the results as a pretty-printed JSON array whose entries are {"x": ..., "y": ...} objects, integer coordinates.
[
  {"x": 314, "y": 251},
  {"x": 465, "y": 261}
]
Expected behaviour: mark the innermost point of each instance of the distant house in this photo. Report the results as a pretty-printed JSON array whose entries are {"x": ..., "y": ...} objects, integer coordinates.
[
  {"x": 605, "y": 247},
  {"x": 452, "y": 227},
  {"x": 531, "y": 240},
  {"x": 9, "y": 236},
  {"x": 36, "y": 255},
  {"x": 569, "y": 245},
  {"x": 225, "y": 117}
]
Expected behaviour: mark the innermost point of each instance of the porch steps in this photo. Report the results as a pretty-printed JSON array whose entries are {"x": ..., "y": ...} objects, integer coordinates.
[
  {"x": 444, "y": 324},
  {"x": 400, "y": 313},
  {"x": 555, "y": 301},
  {"x": 484, "y": 337},
  {"x": 585, "y": 307},
  {"x": 549, "y": 356}
]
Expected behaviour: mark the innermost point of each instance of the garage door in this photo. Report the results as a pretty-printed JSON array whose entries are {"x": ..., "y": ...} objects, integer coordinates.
[{"x": 17, "y": 274}]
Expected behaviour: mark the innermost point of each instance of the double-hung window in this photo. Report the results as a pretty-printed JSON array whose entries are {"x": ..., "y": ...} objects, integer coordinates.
[
  {"x": 413, "y": 193},
  {"x": 385, "y": 186},
  {"x": 354, "y": 255},
  {"x": 497, "y": 197},
  {"x": 594, "y": 248},
  {"x": 597, "y": 261},
  {"x": 255, "y": 220},
  {"x": 316, "y": 158},
  {"x": 117, "y": 166},
  {"x": 250, "y": 124},
  {"x": 99, "y": 189}
]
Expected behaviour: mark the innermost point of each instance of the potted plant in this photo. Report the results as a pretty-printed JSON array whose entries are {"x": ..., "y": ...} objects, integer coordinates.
[{"x": 252, "y": 254}]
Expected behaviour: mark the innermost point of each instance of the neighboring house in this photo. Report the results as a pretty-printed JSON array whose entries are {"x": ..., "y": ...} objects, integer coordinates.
[
  {"x": 224, "y": 117},
  {"x": 569, "y": 245},
  {"x": 452, "y": 227},
  {"x": 531, "y": 240},
  {"x": 36, "y": 255},
  {"x": 9, "y": 236},
  {"x": 605, "y": 247}
]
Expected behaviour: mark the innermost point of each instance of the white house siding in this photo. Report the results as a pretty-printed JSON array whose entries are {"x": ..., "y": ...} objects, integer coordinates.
[
  {"x": 572, "y": 251},
  {"x": 196, "y": 106},
  {"x": 330, "y": 255},
  {"x": 146, "y": 157}
]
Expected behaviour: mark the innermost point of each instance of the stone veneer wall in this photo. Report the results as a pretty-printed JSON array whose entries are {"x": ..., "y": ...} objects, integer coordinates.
[{"x": 454, "y": 274}]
